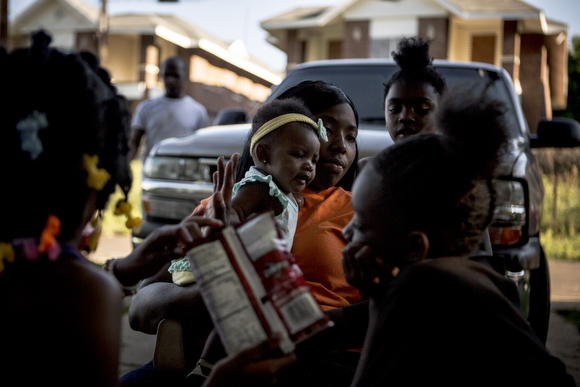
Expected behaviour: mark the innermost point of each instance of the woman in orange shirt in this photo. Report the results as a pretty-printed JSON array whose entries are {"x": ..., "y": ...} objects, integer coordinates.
[{"x": 318, "y": 241}]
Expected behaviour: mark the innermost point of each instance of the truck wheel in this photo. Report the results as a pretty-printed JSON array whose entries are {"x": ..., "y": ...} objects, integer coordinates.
[{"x": 539, "y": 313}]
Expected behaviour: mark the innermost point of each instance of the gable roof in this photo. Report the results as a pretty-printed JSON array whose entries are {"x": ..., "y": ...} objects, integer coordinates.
[
  {"x": 464, "y": 9},
  {"x": 82, "y": 9},
  {"x": 477, "y": 9},
  {"x": 307, "y": 17}
]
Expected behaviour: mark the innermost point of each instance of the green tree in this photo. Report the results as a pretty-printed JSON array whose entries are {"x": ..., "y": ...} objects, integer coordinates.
[{"x": 573, "y": 108}]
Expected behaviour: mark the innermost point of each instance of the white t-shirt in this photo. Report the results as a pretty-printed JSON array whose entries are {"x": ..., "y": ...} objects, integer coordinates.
[{"x": 165, "y": 117}]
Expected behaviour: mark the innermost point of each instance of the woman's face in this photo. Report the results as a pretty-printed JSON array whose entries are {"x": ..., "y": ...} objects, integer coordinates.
[
  {"x": 410, "y": 108},
  {"x": 338, "y": 154}
]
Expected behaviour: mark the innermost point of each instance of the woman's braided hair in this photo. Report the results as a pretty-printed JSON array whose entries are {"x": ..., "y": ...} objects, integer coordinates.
[{"x": 73, "y": 109}]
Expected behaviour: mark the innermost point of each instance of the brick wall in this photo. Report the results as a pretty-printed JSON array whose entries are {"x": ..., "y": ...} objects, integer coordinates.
[
  {"x": 532, "y": 78},
  {"x": 511, "y": 48},
  {"x": 356, "y": 42},
  {"x": 436, "y": 30}
]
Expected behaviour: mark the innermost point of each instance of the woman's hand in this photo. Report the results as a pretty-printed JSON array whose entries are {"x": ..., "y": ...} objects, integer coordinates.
[
  {"x": 257, "y": 366},
  {"x": 367, "y": 271},
  {"x": 223, "y": 185}
]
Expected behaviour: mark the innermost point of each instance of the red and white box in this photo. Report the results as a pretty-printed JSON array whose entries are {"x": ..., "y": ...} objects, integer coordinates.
[{"x": 253, "y": 288}]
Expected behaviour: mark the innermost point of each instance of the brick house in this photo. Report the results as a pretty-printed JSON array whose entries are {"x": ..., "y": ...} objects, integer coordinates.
[
  {"x": 507, "y": 33},
  {"x": 220, "y": 75}
]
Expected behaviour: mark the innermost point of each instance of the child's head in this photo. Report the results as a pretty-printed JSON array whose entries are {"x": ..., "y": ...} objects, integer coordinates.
[
  {"x": 284, "y": 142},
  {"x": 412, "y": 94},
  {"x": 56, "y": 108},
  {"x": 434, "y": 185}
]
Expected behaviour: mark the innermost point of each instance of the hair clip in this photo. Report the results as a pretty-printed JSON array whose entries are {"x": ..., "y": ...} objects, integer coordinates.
[
  {"x": 96, "y": 177},
  {"x": 322, "y": 130},
  {"x": 123, "y": 207},
  {"x": 6, "y": 254},
  {"x": 29, "y": 128},
  {"x": 48, "y": 243}
]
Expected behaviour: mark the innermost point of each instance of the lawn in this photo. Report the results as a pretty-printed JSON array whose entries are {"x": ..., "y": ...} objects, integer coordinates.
[{"x": 560, "y": 228}]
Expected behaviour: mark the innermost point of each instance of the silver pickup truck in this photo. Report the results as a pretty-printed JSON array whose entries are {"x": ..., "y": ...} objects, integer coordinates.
[{"x": 177, "y": 172}]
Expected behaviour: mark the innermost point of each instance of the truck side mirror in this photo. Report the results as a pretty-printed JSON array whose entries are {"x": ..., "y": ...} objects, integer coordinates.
[
  {"x": 557, "y": 133},
  {"x": 230, "y": 116}
]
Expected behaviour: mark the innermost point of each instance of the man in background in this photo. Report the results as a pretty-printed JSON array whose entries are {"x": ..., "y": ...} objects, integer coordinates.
[{"x": 172, "y": 115}]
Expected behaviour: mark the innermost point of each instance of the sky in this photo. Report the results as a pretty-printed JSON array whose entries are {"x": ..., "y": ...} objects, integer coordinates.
[{"x": 229, "y": 20}]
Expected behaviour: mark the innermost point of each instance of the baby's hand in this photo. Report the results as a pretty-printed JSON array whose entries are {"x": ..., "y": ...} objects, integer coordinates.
[{"x": 367, "y": 271}]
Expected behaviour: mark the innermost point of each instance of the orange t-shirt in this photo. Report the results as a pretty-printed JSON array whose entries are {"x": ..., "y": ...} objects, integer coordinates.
[{"x": 318, "y": 244}]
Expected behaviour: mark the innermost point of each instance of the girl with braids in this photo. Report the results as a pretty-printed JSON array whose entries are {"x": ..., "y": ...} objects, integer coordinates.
[
  {"x": 63, "y": 150},
  {"x": 412, "y": 94},
  {"x": 421, "y": 207}
]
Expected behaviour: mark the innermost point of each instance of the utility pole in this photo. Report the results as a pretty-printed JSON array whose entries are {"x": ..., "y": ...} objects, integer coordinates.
[{"x": 102, "y": 34}]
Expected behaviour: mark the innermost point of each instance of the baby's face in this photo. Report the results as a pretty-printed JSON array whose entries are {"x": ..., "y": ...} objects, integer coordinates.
[{"x": 293, "y": 157}]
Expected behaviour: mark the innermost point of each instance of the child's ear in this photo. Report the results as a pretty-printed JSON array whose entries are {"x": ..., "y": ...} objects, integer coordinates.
[
  {"x": 418, "y": 246},
  {"x": 262, "y": 153}
]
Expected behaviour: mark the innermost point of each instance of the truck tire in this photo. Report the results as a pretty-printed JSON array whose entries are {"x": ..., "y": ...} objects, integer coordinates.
[{"x": 539, "y": 313}]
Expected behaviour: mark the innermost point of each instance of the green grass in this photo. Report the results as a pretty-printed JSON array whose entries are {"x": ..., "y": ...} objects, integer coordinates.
[
  {"x": 113, "y": 224},
  {"x": 560, "y": 233}
]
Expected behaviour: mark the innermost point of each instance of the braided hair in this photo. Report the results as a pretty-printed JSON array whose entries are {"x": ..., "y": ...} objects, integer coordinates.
[
  {"x": 441, "y": 183},
  {"x": 414, "y": 63},
  {"x": 57, "y": 107}
]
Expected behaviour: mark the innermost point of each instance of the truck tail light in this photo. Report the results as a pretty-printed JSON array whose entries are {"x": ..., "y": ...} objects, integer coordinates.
[{"x": 508, "y": 226}]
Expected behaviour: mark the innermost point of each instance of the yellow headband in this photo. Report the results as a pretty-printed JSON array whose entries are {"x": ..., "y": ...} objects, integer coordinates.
[{"x": 277, "y": 122}]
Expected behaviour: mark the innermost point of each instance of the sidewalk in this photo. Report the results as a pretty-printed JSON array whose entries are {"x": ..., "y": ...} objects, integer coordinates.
[{"x": 563, "y": 337}]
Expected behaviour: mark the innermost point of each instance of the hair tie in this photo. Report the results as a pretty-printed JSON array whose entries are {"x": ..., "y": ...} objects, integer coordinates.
[
  {"x": 96, "y": 177},
  {"x": 6, "y": 254},
  {"x": 28, "y": 128},
  {"x": 123, "y": 207},
  {"x": 48, "y": 243},
  {"x": 284, "y": 119}
]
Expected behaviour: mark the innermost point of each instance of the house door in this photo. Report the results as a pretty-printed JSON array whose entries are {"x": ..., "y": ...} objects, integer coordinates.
[
  {"x": 335, "y": 49},
  {"x": 483, "y": 49}
]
